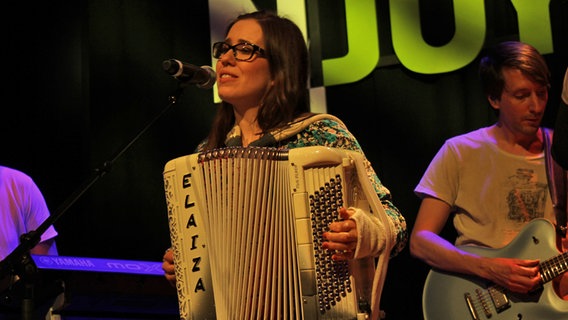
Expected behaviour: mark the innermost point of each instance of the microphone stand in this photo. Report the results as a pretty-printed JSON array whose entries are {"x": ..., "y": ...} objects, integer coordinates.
[{"x": 19, "y": 262}]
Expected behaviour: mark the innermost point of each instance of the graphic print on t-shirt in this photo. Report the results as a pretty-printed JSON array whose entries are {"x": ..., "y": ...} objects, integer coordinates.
[{"x": 527, "y": 198}]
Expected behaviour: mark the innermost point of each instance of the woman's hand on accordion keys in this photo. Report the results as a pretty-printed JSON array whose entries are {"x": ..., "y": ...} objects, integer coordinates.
[
  {"x": 169, "y": 267},
  {"x": 341, "y": 239}
]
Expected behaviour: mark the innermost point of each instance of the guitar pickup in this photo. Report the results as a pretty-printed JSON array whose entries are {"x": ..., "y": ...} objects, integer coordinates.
[{"x": 500, "y": 300}]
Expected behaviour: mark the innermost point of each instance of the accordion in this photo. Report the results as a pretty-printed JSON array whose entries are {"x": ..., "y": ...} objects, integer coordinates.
[{"x": 246, "y": 229}]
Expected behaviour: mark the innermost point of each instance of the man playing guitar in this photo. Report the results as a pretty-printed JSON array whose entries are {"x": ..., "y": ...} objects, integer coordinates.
[{"x": 493, "y": 180}]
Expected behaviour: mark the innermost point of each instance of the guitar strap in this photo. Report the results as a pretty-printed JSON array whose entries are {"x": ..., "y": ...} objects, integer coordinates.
[{"x": 557, "y": 181}]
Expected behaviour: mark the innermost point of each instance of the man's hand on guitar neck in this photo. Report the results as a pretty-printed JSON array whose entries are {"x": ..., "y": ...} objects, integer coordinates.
[{"x": 517, "y": 275}]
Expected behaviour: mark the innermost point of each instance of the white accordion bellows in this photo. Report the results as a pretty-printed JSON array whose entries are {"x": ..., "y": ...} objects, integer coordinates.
[{"x": 246, "y": 228}]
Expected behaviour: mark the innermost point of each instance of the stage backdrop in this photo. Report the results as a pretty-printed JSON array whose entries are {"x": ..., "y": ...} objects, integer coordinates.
[{"x": 82, "y": 78}]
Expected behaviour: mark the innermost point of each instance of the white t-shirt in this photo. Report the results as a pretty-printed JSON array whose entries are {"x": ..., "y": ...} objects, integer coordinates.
[
  {"x": 22, "y": 209},
  {"x": 492, "y": 193}
]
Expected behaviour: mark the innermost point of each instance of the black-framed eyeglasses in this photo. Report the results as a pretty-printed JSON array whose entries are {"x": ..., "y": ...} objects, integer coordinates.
[{"x": 243, "y": 51}]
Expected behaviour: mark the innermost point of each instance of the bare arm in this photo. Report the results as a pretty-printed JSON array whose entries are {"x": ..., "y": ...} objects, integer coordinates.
[
  {"x": 426, "y": 244},
  {"x": 47, "y": 247}
]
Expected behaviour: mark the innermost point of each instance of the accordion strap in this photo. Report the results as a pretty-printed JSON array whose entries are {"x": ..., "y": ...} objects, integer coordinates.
[
  {"x": 271, "y": 138},
  {"x": 301, "y": 123},
  {"x": 556, "y": 184}
]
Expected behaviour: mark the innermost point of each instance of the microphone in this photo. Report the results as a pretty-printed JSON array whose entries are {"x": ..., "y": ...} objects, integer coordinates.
[{"x": 203, "y": 77}]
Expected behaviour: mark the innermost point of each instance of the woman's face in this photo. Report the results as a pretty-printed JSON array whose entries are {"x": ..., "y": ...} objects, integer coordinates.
[{"x": 243, "y": 83}]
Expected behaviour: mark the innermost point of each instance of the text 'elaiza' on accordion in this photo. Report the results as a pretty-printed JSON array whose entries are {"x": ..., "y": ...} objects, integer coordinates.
[{"x": 246, "y": 228}]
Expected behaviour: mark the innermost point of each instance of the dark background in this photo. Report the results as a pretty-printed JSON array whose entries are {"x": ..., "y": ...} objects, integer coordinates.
[{"x": 82, "y": 78}]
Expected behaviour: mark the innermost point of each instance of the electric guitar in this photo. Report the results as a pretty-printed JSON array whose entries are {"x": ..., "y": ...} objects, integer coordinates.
[{"x": 449, "y": 296}]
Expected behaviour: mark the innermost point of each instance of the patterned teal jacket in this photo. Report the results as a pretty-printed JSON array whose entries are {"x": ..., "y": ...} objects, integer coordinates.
[{"x": 327, "y": 130}]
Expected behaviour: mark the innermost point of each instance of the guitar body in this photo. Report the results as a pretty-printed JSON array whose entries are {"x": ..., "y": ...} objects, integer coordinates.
[{"x": 444, "y": 295}]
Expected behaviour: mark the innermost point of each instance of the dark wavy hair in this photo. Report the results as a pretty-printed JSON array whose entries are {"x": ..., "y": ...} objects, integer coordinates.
[
  {"x": 511, "y": 54},
  {"x": 287, "y": 54}
]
